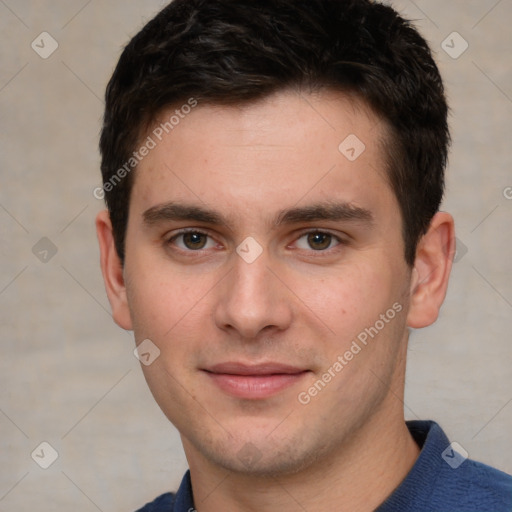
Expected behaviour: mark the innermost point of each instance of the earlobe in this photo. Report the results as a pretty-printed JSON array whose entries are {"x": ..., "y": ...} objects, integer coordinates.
[
  {"x": 112, "y": 271},
  {"x": 432, "y": 266}
]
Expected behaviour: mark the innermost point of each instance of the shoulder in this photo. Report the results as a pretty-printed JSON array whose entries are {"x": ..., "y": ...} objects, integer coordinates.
[
  {"x": 162, "y": 504},
  {"x": 476, "y": 487},
  {"x": 444, "y": 479}
]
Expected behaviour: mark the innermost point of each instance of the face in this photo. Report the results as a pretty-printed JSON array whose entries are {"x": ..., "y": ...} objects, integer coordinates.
[{"x": 266, "y": 263}]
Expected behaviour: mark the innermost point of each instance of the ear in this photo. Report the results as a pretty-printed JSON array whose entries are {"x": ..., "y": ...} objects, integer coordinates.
[
  {"x": 112, "y": 270},
  {"x": 432, "y": 266}
]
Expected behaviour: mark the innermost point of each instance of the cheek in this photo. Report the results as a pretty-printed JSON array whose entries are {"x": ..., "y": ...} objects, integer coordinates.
[
  {"x": 169, "y": 311},
  {"x": 350, "y": 298},
  {"x": 161, "y": 299},
  {"x": 155, "y": 306}
]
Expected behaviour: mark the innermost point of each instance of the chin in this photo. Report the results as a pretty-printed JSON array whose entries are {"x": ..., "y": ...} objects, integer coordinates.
[{"x": 261, "y": 456}]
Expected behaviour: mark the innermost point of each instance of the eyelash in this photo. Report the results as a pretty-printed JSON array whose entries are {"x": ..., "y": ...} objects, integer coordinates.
[{"x": 340, "y": 241}]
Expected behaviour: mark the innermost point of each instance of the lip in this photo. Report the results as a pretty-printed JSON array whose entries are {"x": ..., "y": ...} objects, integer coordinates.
[{"x": 254, "y": 381}]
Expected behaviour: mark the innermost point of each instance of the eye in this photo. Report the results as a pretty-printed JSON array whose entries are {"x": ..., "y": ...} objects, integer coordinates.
[
  {"x": 192, "y": 241},
  {"x": 318, "y": 241}
]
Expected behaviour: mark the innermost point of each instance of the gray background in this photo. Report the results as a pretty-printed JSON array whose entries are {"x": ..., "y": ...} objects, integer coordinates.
[{"x": 69, "y": 376}]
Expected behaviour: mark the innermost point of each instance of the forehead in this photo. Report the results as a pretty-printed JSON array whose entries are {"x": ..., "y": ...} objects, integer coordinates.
[{"x": 263, "y": 156}]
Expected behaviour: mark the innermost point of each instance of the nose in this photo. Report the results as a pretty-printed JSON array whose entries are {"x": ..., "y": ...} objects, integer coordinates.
[{"x": 252, "y": 299}]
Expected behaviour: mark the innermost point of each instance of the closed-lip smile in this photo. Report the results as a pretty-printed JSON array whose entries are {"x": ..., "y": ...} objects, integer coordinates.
[{"x": 254, "y": 381}]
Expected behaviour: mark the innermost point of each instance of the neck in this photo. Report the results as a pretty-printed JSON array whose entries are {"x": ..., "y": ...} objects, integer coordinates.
[{"x": 357, "y": 477}]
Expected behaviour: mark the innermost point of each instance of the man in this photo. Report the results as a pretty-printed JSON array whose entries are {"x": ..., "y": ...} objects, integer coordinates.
[{"x": 273, "y": 173}]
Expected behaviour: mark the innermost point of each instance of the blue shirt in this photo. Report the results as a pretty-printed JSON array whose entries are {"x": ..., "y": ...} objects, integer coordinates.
[{"x": 441, "y": 480}]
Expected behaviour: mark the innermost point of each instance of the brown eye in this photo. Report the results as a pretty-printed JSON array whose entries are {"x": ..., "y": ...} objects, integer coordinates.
[
  {"x": 194, "y": 241},
  {"x": 319, "y": 241}
]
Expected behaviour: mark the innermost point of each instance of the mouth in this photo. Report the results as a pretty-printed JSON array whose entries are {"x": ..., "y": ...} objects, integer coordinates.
[{"x": 254, "y": 381}]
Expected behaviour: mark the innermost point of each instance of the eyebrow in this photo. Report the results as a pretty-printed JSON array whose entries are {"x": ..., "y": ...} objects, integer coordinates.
[{"x": 325, "y": 211}]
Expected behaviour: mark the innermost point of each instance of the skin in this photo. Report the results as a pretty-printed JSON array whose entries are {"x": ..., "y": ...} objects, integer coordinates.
[{"x": 302, "y": 302}]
